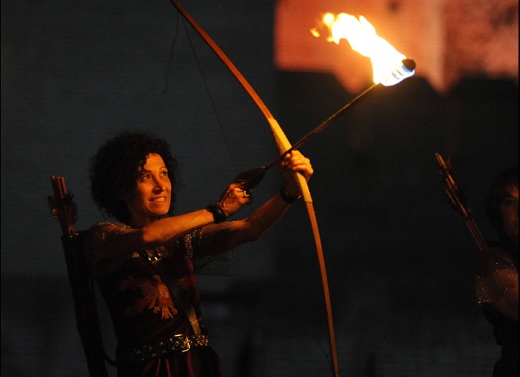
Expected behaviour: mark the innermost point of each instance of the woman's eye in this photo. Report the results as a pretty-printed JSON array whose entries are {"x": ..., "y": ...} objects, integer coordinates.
[{"x": 509, "y": 201}]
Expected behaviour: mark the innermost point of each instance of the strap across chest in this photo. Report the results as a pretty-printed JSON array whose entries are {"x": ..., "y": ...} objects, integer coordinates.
[{"x": 155, "y": 257}]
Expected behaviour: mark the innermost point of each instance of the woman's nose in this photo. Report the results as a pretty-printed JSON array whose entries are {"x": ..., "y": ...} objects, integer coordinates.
[{"x": 158, "y": 185}]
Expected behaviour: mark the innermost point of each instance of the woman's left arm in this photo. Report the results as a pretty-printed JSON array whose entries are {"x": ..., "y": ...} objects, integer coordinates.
[{"x": 218, "y": 238}]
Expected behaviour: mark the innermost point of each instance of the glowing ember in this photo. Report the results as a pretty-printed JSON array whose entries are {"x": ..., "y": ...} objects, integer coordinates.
[{"x": 389, "y": 65}]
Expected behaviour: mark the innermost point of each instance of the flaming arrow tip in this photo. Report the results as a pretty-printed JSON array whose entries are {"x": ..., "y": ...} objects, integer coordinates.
[{"x": 399, "y": 73}]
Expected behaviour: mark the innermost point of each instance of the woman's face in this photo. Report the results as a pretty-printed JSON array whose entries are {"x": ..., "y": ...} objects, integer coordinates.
[
  {"x": 152, "y": 195},
  {"x": 509, "y": 214}
]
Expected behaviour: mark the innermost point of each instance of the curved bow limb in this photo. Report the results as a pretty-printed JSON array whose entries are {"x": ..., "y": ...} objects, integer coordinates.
[{"x": 283, "y": 145}]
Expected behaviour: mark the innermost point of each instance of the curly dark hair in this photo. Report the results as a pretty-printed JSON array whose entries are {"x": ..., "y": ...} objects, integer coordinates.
[
  {"x": 499, "y": 189},
  {"x": 114, "y": 170}
]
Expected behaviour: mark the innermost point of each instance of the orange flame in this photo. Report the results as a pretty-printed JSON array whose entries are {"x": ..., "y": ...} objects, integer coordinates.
[{"x": 387, "y": 63}]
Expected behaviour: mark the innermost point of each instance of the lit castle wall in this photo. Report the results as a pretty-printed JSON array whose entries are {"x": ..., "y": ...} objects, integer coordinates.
[{"x": 448, "y": 40}]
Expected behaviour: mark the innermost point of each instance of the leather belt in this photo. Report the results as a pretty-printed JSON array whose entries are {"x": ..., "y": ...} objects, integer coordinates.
[{"x": 176, "y": 343}]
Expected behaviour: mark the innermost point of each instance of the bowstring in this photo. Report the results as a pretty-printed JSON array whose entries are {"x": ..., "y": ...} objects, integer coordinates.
[
  {"x": 170, "y": 60},
  {"x": 199, "y": 67},
  {"x": 212, "y": 260}
]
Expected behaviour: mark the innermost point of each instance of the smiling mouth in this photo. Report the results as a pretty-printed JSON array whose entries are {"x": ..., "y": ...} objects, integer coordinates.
[{"x": 160, "y": 200}]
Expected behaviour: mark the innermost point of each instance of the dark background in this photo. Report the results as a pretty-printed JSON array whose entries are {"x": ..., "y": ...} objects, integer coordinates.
[{"x": 399, "y": 258}]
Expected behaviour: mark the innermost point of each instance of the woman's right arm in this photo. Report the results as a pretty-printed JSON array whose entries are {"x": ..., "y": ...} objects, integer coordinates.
[{"x": 117, "y": 241}]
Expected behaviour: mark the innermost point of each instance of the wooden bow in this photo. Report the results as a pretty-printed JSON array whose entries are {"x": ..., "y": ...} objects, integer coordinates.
[{"x": 283, "y": 145}]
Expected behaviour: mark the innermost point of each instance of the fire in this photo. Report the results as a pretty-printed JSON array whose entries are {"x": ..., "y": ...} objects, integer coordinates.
[{"x": 389, "y": 65}]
